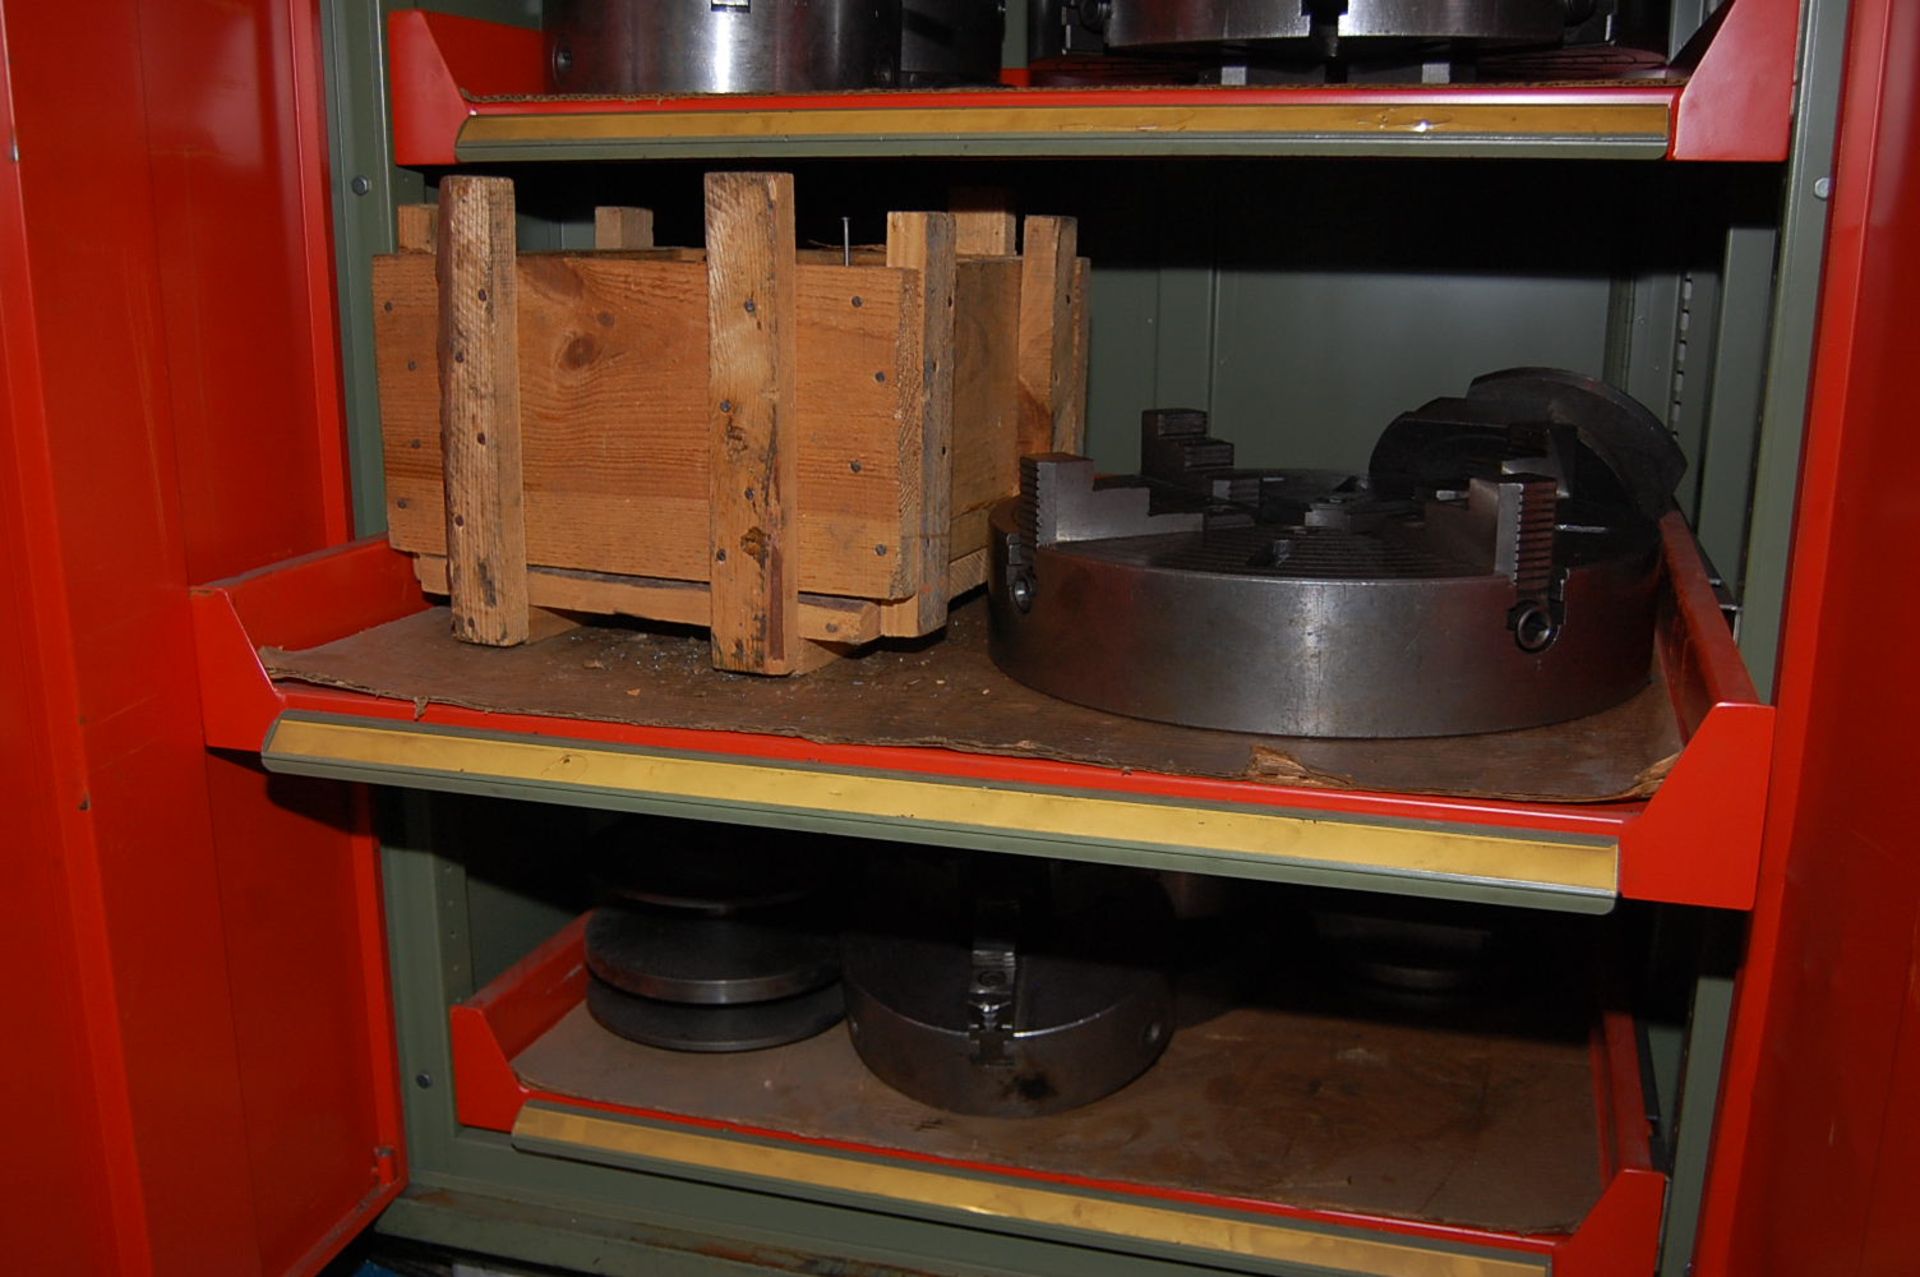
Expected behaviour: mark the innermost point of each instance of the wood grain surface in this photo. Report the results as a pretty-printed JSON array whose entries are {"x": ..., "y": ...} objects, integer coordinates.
[
  {"x": 924, "y": 244},
  {"x": 478, "y": 358},
  {"x": 613, "y": 357}
]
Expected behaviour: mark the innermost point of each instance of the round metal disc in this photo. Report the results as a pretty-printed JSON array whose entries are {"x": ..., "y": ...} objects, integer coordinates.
[
  {"x": 709, "y": 961},
  {"x": 679, "y": 1027},
  {"x": 646, "y": 46}
]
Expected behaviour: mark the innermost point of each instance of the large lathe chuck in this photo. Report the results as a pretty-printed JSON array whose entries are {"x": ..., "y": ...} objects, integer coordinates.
[
  {"x": 1496, "y": 567},
  {"x": 1008, "y": 987}
]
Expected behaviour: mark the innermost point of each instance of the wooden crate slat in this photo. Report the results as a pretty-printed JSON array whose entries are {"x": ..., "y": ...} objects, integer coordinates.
[
  {"x": 1046, "y": 329},
  {"x": 614, "y": 425},
  {"x": 415, "y": 227},
  {"x": 478, "y": 359},
  {"x": 824, "y": 618},
  {"x": 1070, "y": 421},
  {"x": 983, "y": 221},
  {"x": 924, "y": 244},
  {"x": 986, "y": 396},
  {"x": 615, "y": 227},
  {"x": 753, "y": 421}
]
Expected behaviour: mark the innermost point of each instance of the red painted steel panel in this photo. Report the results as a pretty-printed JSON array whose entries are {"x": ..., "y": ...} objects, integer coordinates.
[
  {"x": 1888, "y": 1244},
  {"x": 1738, "y": 102},
  {"x": 1806, "y": 1159},
  {"x": 138, "y": 861},
  {"x": 255, "y": 405},
  {"x": 74, "y": 1171},
  {"x": 315, "y": 1071},
  {"x": 207, "y": 1011}
]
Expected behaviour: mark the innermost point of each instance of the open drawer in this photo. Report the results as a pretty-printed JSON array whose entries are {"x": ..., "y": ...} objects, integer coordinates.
[
  {"x": 1301, "y": 1132},
  {"x": 1694, "y": 841}
]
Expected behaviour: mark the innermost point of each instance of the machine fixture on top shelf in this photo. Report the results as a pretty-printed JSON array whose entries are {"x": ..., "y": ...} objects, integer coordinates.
[
  {"x": 770, "y": 46},
  {"x": 1280, "y": 41}
]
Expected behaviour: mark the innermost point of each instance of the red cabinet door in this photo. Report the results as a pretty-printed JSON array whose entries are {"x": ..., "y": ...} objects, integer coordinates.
[
  {"x": 199, "y": 1043},
  {"x": 1817, "y": 1155}
]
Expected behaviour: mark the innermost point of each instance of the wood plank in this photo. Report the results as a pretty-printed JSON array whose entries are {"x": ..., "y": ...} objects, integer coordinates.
[
  {"x": 983, "y": 221},
  {"x": 862, "y": 255},
  {"x": 613, "y": 356},
  {"x": 924, "y": 243},
  {"x": 1070, "y": 423},
  {"x": 415, "y": 227},
  {"x": 622, "y": 227},
  {"x": 986, "y": 396},
  {"x": 966, "y": 573},
  {"x": 752, "y": 390},
  {"x": 480, "y": 411},
  {"x": 1046, "y": 328},
  {"x": 823, "y": 617}
]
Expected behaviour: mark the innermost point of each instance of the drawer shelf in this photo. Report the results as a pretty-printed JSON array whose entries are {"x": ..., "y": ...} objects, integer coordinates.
[
  {"x": 466, "y": 91},
  {"x": 1345, "y": 1154},
  {"x": 1694, "y": 841}
]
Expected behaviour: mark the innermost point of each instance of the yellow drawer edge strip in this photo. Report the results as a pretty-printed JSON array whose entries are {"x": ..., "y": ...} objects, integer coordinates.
[
  {"x": 1588, "y": 865},
  {"x": 541, "y": 1124},
  {"x": 1632, "y": 120}
]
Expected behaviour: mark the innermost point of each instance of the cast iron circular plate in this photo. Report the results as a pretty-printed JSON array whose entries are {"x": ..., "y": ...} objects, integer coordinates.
[
  {"x": 748, "y": 1027},
  {"x": 682, "y": 957}
]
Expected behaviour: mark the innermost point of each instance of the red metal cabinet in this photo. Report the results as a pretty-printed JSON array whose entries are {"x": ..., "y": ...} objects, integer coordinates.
[{"x": 201, "y": 1070}]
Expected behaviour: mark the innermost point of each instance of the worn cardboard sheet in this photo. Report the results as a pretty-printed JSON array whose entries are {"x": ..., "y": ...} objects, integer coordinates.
[
  {"x": 1310, "y": 1104},
  {"x": 946, "y": 693}
]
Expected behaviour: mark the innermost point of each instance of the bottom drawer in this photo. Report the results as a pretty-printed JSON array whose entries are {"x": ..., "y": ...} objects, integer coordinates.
[{"x": 1304, "y": 1130}]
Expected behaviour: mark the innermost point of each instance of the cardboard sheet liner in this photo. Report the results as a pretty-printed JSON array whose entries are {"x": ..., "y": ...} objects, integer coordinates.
[{"x": 945, "y": 693}]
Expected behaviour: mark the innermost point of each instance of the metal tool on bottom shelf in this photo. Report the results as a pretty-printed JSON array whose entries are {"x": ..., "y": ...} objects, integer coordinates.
[
  {"x": 705, "y": 940},
  {"x": 1496, "y": 567},
  {"x": 1008, "y": 987}
]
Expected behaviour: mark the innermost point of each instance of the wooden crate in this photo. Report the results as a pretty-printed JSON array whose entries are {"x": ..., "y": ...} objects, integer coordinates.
[{"x": 793, "y": 448}]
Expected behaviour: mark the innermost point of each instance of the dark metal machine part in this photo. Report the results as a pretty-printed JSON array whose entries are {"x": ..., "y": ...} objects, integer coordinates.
[
  {"x": 677, "y": 1026},
  {"x": 1011, "y": 999},
  {"x": 1136, "y": 23},
  {"x": 951, "y": 42},
  {"x": 1385, "y": 41},
  {"x": 709, "y": 938},
  {"x": 1467, "y": 586},
  {"x": 709, "y": 961},
  {"x": 721, "y": 46}
]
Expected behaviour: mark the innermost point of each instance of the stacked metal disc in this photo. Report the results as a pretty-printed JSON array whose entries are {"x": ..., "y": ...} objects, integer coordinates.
[{"x": 712, "y": 938}]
